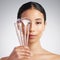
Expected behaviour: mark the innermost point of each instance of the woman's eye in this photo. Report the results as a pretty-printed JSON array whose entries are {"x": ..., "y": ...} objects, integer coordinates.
[{"x": 38, "y": 22}]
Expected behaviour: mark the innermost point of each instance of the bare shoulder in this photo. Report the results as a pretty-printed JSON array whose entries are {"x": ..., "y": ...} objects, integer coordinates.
[
  {"x": 56, "y": 57},
  {"x": 4, "y": 58},
  {"x": 51, "y": 56}
]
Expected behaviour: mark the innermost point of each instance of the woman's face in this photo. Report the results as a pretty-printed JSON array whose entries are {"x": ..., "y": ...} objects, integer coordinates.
[{"x": 37, "y": 24}]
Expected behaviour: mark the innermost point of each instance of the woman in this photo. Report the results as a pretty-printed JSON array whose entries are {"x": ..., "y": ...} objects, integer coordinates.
[{"x": 37, "y": 15}]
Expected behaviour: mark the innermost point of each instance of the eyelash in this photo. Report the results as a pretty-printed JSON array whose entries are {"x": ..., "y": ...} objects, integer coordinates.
[{"x": 38, "y": 22}]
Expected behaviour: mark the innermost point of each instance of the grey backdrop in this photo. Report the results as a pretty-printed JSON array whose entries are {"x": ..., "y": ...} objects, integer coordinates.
[{"x": 8, "y": 12}]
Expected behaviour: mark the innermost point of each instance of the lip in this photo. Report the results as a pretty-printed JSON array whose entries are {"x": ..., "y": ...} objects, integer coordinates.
[{"x": 31, "y": 36}]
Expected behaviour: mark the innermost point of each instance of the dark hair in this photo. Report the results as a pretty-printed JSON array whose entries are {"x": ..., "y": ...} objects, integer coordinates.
[{"x": 29, "y": 5}]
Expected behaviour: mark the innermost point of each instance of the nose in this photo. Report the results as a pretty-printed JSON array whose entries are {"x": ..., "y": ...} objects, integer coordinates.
[{"x": 32, "y": 27}]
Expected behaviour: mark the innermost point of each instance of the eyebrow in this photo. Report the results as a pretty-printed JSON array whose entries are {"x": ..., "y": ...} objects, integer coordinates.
[
  {"x": 38, "y": 19},
  {"x": 25, "y": 18}
]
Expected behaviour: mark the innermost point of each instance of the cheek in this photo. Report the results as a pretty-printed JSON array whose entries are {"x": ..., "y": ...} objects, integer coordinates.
[{"x": 40, "y": 29}]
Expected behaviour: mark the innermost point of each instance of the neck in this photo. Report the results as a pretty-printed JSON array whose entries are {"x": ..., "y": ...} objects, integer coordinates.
[{"x": 36, "y": 48}]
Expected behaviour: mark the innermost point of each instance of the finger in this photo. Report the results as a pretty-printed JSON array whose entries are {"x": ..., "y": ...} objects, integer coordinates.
[
  {"x": 22, "y": 55},
  {"x": 21, "y": 48},
  {"x": 25, "y": 53},
  {"x": 25, "y": 47},
  {"x": 22, "y": 52}
]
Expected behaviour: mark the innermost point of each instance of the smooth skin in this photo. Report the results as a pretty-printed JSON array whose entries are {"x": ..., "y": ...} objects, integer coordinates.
[{"x": 33, "y": 51}]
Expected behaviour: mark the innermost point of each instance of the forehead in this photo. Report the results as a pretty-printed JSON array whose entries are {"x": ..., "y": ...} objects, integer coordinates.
[{"x": 32, "y": 14}]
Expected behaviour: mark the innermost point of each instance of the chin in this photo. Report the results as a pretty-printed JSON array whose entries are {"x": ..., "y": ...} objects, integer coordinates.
[{"x": 32, "y": 40}]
